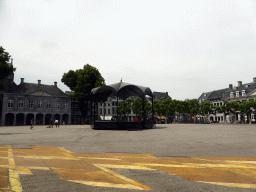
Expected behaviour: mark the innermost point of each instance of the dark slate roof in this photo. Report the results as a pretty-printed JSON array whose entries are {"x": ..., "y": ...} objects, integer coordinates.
[
  {"x": 161, "y": 95},
  {"x": 27, "y": 88},
  {"x": 249, "y": 88},
  {"x": 205, "y": 96},
  {"x": 217, "y": 94}
]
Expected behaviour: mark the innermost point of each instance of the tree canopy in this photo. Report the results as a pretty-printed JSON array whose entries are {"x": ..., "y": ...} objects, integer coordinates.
[
  {"x": 82, "y": 81},
  {"x": 5, "y": 70}
]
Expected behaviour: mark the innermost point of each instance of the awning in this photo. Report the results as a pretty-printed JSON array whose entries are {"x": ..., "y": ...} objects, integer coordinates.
[{"x": 107, "y": 118}]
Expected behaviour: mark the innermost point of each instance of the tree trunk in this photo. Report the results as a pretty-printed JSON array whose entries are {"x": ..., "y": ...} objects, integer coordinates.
[
  {"x": 225, "y": 120},
  {"x": 249, "y": 117}
]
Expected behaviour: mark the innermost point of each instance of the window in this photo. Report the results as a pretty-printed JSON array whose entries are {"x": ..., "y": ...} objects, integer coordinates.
[
  {"x": 113, "y": 103},
  {"x": 104, "y": 111},
  {"x": 109, "y": 104},
  {"x": 113, "y": 110},
  {"x": 57, "y": 105},
  {"x": 109, "y": 111},
  {"x": 40, "y": 105},
  {"x": 10, "y": 103},
  {"x": 221, "y": 118},
  {"x": 65, "y": 105},
  {"x": 205, "y": 95},
  {"x": 237, "y": 94},
  {"x": 220, "y": 103},
  {"x": 231, "y": 95},
  {"x": 49, "y": 105},
  {"x": 21, "y": 103},
  {"x": 30, "y": 104},
  {"x": 243, "y": 93},
  {"x": 100, "y": 110}
]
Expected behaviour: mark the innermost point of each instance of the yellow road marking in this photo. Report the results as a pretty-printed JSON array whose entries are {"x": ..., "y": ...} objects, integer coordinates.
[
  {"x": 13, "y": 175},
  {"x": 6, "y": 166},
  {"x": 103, "y": 184},
  {"x": 198, "y": 165},
  {"x": 240, "y": 185},
  {"x": 100, "y": 158},
  {"x": 164, "y": 165},
  {"x": 124, "y": 167},
  {"x": 124, "y": 178},
  {"x": 4, "y": 157},
  {"x": 48, "y": 157},
  {"x": 23, "y": 170},
  {"x": 67, "y": 151},
  {"x": 245, "y": 162},
  {"x": 39, "y": 168}
]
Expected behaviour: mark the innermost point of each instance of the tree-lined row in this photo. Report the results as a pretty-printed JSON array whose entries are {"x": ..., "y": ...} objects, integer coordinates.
[{"x": 192, "y": 107}]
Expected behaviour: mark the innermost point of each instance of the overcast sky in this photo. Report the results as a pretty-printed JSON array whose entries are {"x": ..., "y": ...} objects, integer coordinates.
[{"x": 181, "y": 47}]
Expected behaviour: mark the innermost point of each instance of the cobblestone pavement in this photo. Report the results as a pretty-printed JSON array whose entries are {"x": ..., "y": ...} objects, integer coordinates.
[{"x": 52, "y": 168}]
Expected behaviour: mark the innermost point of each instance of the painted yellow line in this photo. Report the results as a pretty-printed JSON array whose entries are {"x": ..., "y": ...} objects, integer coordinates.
[
  {"x": 67, "y": 151},
  {"x": 48, "y": 157},
  {"x": 104, "y": 184},
  {"x": 13, "y": 175},
  {"x": 6, "y": 166},
  {"x": 23, "y": 170},
  {"x": 39, "y": 168},
  {"x": 124, "y": 178},
  {"x": 4, "y": 157},
  {"x": 124, "y": 167},
  {"x": 164, "y": 165},
  {"x": 198, "y": 165},
  {"x": 100, "y": 158},
  {"x": 245, "y": 162},
  {"x": 240, "y": 185},
  {"x": 69, "y": 155}
]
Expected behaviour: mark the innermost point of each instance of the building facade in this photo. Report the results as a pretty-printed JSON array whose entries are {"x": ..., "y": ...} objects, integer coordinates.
[
  {"x": 239, "y": 94},
  {"x": 42, "y": 103}
]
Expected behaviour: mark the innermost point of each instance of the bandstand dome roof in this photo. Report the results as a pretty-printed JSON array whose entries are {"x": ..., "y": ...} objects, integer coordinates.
[{"x": 121, "y": 90}]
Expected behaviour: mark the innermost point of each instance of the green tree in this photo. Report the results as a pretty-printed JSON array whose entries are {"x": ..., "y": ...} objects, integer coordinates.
[
  {"x": 194, "y": 107},
  {"x": 82, "y": 81},
  {"x": 247, "y": 108},
  {"x": 157, "y": 108},
  {"x": 5, "y": 70},
  {"x": 125, "y": 107},
  {"x": 232, "y": 107},
  {"x": 166, "y": 108},
  {"x": 137, "y": 106},
  {"x": 205, "y": 108}
]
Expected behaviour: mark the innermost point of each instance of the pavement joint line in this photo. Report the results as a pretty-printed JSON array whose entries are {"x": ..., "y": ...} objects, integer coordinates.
[
  {"x": 124, "y": 178},
  {"x": 39, "y": 168},
  {"x": 67, "y": 151},
  {"x": 239, "y": 185}
]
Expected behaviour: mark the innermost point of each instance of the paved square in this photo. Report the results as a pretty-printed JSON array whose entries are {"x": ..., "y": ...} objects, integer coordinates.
[{"x": 173, "y": 157}]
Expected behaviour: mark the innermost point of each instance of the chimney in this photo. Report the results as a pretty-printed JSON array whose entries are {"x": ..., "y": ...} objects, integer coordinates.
[
  {"x": 55, "y": 84},
  {"x": 254, "y": 79},
  {"x": 230, "y": 86},
  {"x": 39, "y": 82},
  {"x": 239, "y": 83},
  {"x": 21, "y": 80}
]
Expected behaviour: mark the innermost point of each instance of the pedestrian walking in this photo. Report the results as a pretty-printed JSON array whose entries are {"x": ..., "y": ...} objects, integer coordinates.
[
  {"x": 56, "y": 122},
  {"x": 31, "y": 122}
]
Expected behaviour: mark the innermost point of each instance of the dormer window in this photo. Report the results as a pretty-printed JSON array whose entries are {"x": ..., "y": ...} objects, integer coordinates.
[
  {"x": 243, "y": 93},
  {"x": 231, "y": 95},
  {"x": 205, "y": 95},
  {"x": 237, "y": 94}
]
